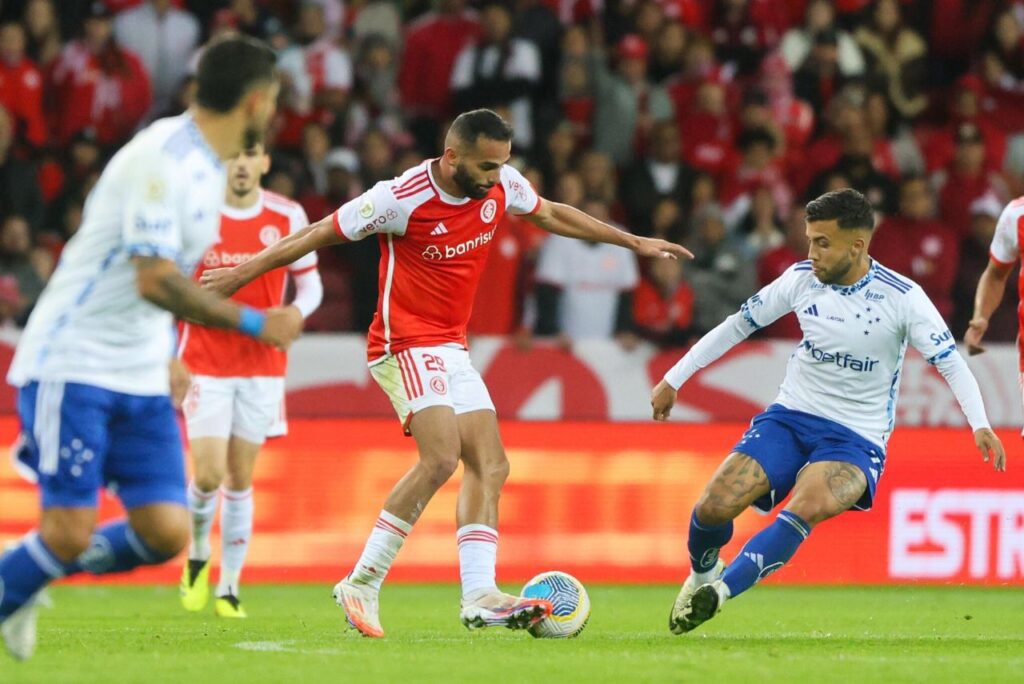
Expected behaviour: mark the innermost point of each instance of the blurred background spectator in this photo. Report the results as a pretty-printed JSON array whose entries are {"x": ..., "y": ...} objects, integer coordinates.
[{"x": 709, "y": 123}]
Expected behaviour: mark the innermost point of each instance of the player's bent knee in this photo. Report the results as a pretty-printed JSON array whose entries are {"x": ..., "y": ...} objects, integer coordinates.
[
  {"x": 167, "y": 535},
  {"x": 440, "y": 468},
  {"x": 813, "y": 510},
  {"x": 712, "y": 510},
  {"x": 67, "y": 540},
  {"x": 208, "y": 478}
]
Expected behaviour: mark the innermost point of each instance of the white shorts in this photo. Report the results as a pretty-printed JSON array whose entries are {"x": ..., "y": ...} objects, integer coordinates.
[
  {"x": 415, "y": 379},
  {"x": 249, "y": 408}
]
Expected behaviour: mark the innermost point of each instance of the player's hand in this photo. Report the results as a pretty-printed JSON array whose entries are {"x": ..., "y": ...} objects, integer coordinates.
[
  {"x": 972, "y": 338},
  {"x": 991, "y": 448},
  {"x": 282, "y": 326},
  {"x": 181, "y": 381},
  {"x": 223, "y": 281},
  {"x": 661, "y": 249},
  {"x": 663, "y": 398}
]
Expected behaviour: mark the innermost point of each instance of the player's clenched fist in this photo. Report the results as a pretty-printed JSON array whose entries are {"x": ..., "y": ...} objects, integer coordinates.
[
  {"x": 663, "y": 398},
  {"x": 282, "y": 325},
  {"x": 223, "y": 281}
]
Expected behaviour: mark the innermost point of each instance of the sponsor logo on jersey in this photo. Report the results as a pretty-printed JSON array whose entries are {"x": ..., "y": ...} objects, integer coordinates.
[
  {"x": 439, "y": 229},
  {"x": 812, "y": 310},
  {"x": 840, "y": 359},
  {"x": 438, "y": 252},
  {"x": 216, "y": 258},
  {"x": 488, "y": 210},
  {"x": 873, "y": 296},
  {"x": 939, "y": 338},
  {"x": 379, "y": 221},
  {"x": 269, "y": 235}
]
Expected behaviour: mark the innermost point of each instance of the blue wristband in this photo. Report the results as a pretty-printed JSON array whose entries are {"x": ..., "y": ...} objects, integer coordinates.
[{"x": 250, "y": 321}]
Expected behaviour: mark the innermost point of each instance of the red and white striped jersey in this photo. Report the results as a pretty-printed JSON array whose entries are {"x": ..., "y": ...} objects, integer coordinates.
[
  {"x": 1006, "y": 250},
  {"x": 433, "y": 250},
  {"x": 243, "y": 234}
]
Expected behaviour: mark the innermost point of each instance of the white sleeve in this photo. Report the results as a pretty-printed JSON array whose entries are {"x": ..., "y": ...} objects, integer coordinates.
[
  {"x": 709, "y": 349},
  {"x": 375, "y": 211},
  {"x": 1005, "y": 248},
  {"x": 527, "y": 62},
  {"x": 775, "y": 299},
  {"x": 773, "y": 302},
  {"x": 151, "y": 219},
  {"x": 928, "y": 332},
  {"x": 309, "y": 291},
  {"x": 462, "y": 72},
  {"x": 520, "y": 197},
  {"x": 298, "y": 220},
  {"x": 338, "y": 73}
]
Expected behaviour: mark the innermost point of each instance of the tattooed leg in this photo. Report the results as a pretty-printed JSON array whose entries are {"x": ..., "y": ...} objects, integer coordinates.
[
  {"x": 826, "y": 489},
  {"x": 737, "y": 483}
]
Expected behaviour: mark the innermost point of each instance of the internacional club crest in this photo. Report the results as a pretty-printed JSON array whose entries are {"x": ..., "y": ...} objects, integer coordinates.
[{"x": 488, "y": 210}]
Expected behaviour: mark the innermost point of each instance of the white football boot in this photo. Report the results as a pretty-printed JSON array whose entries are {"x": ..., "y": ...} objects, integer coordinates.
[
  {"x": 676, "y": 622},
  {"x": 497, "y": 609},
  {"x": 361, "y": 604}
]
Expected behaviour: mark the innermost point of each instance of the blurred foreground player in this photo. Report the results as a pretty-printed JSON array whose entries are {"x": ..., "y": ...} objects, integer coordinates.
[
  {"x": 92, "y": 367},
  {"x": 237, "y": 396},
  {"x": 824, "y": 437},
  {"x": 436, "y": 223}
]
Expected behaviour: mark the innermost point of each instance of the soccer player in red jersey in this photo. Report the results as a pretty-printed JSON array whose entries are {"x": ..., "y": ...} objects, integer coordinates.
[
  {"x": 435, "y": 223},
  {"x": 1006, "y": 249},
  {"x": 237, "y": 396}
]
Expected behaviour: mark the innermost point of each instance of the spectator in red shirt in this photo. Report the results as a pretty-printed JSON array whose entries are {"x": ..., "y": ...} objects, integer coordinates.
[
  {"x": 965, "y": 106},
  {"x": 966, "y": 179},
  {"x": 21, "y": 86},
  {"x": 663, "y": 304},
  {"x": 743, "y": 30},
  {"x": 914, "y": 243},
  {"x": 432, "y": 44},
  {"x": 98, "y": 84}
]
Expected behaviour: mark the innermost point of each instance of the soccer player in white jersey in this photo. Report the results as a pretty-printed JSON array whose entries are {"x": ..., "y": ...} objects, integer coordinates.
[
  {"x": 824, "y": 437},
  {"x": 237, "y": 395},
  {"x": 92, "y": 367},
  {"x": 435, "y": 224}
]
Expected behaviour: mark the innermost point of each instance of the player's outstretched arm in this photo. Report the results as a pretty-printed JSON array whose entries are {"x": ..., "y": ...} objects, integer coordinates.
[
  {"x": 161, "y": 283},
  {"x": 562, "y": 219},
  {"x": 227, "y": 281},
  {"x": 991, "y": 287}
]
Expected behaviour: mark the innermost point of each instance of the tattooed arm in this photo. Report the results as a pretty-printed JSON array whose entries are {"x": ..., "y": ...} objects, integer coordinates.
[{"x": 161, "y": 283}]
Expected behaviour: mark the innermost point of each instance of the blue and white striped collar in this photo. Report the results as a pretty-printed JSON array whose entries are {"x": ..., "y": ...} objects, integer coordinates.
[{"x": 860, "y": 284}]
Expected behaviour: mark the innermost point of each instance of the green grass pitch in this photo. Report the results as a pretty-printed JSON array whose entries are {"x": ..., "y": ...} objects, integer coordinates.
[{"x": 115, "y": 634}]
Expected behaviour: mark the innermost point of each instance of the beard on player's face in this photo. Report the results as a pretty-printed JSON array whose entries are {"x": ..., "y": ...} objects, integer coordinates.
[{"x": 470, "y": 186}]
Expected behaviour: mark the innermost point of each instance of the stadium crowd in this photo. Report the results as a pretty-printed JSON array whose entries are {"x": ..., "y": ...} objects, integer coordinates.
[{"x": 707, "y": 122}]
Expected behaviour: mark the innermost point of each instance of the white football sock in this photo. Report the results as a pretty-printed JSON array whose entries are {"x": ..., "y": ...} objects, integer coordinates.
[
  {"x": 235, "y": 533},
  {"x": 202, "y": 506},
  {"x": 478, "y": 553},
  {"x": 381, "y": 548}
]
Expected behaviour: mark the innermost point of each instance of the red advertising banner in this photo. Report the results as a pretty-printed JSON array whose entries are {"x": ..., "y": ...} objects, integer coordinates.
[{"x": 608, "y": 502}]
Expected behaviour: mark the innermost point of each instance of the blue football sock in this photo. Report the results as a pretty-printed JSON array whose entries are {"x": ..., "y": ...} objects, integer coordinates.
[
  {"x": 26, "y": 569},
  {"x": 766, "y": 552},
  {"x": 705, "y": 541},
  {"x": 116, "y": 548}
]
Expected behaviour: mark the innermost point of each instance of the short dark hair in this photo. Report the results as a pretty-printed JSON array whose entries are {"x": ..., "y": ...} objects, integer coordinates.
[
  {"x": 469, "y": 126},
  {"x": 229, "y": 68},
  {"x": 847, "y": 207}
]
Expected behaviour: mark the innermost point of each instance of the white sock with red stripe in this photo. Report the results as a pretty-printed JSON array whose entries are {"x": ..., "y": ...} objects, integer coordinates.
[
  {"x": 235, "y": 533},
  {"x": 381, "y": 548},
  {"x": 478, "y": 553},
  {"x": 202, "y": 506}
]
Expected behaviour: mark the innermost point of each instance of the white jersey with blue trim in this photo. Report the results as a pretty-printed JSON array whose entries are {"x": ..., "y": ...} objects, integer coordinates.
[
  {"x": 847, "y": 366},
  {"x": 160, "y": 195}
]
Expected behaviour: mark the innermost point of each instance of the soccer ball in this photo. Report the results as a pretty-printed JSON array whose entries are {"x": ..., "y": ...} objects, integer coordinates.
[{"x": 570, "y": 605}]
